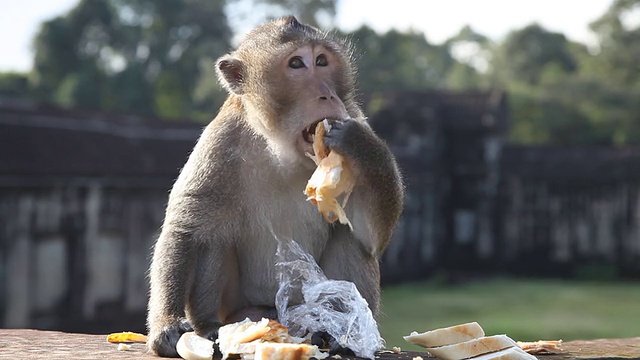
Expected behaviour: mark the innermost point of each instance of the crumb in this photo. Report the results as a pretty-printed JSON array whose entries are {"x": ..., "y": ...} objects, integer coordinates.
[
  {"x": 418, "y": 358},
  {"x": 396, "y": 349},
  {"x": 124, "y": 347},
  {"x": 337, "y": 356}
]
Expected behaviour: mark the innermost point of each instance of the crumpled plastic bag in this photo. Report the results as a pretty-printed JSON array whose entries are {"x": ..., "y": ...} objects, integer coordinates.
[{"x": 333, "y": 306}]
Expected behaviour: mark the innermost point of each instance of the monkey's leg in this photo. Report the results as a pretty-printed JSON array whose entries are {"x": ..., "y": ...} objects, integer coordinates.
[
  {"x": 345, "y": 258},
  {"x": 215, "y": 289},
  {"x": 171, "y": 274}
]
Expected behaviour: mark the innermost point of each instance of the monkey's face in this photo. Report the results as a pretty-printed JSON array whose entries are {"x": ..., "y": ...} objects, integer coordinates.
[
  {"x": 289, "y": 77},
  {"x": 308, "y": 93}
]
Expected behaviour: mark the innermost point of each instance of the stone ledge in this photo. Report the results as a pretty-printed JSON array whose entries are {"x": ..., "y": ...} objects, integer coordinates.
[{"x": 53, "y": 345}]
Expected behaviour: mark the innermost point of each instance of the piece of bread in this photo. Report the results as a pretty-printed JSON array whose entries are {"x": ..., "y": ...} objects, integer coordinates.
[
  {"x": 446, "y": 336},
  {"x": 242, "y": 332},
  {"x": 541, "y": 346},
  {"x": 512, "y": 353},
  {"x": 472, "y": 348},
  {"x": 280, "y": 351},
  {"x": 331, "y": 179},
  {"x": 126, "y": 337},
  {"x": 241, "y": 338},
  {"x": 193, "y": 347}
]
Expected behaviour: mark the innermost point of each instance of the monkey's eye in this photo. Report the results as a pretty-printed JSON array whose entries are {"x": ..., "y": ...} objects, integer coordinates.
[
  {"x": 296, "y": 63},
  {"x": 321, "y": 60}
]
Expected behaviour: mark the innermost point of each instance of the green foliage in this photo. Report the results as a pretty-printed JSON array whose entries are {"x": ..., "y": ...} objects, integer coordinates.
[
  {"x": 157, "y": 57},
  {"x": 526, "y": 53},
  {"x": 14, "y": 84},
  {"x": 395, "y": 61},
  {"x": 472, "y": 52},
  {"x": 171, "y": 98},
  {"x": 541, "y": 117},
  {"x": 619, "y": 43},
  {"x": 138, "y": 56},
  {"x": 565, "y": 93}
]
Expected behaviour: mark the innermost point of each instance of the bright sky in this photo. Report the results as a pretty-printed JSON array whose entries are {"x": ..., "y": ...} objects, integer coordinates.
[{"x": 439, "y": 20}]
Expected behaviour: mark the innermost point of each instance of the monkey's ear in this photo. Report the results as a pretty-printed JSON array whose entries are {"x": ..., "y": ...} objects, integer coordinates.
[{"x": 231, "y": 74}]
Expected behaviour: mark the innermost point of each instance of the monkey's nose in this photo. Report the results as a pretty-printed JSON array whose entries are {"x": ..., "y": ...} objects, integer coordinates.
[{"x": 330, "y": 97}]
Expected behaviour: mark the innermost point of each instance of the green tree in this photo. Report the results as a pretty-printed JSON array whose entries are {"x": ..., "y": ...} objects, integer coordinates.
[
  {"x": 610, "y": 74},
  {"x": 541, "y": 70},
  {"x": 618, "y": 33},
  {"x": 525, "y": 54},
  {"x": 140, "y": 56},
  {"x": 564, "y": 93},
  {"x": 14, "y": 84},
  {"x": 472, "y": 52},
  {"x": 396, "y": 60}
]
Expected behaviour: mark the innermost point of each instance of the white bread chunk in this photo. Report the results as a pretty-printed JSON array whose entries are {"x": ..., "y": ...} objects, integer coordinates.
[
  {"x": 238, "y": 338},
  {"x": 287, "y": 351},
  {"x": 193, "y": 347},
  {"x": 446, "y": 336},
  {"x": 512, "y": 353},
  {"x": 472, "y": 348}
]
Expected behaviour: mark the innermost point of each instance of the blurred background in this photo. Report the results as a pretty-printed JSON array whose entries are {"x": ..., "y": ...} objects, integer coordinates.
[{"x": 516, "y": 125}]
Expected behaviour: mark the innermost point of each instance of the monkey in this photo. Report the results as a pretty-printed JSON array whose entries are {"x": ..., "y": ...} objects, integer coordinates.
[{"x": 214, "y": 260}]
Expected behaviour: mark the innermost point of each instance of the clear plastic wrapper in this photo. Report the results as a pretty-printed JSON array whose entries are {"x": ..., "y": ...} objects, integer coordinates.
[{"x": 333, "y": 306}]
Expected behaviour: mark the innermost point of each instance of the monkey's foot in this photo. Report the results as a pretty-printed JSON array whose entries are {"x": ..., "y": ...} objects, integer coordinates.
[
  {"x": 164, "y": 344},
  {"x": 323, "y": 340}
]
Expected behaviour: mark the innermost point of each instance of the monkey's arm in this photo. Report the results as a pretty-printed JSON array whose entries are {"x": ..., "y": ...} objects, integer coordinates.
[
  {"x": 377, "y": 200},
  {"x": 170, "y": 275},
  {"x": 186, "y": 270}
]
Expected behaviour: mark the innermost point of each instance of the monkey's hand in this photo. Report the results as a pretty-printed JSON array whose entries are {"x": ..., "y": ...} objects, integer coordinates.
[
  {"x": 378, "y": 192},
  {"x": 358, "y": 143}
]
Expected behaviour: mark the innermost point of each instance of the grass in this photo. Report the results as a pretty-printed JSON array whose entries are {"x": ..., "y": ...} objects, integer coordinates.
[{"x": 523, "y": 309}]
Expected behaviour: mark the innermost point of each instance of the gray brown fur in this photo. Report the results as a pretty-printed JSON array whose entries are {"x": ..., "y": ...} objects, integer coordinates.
[{"x": 214, "y": 261}]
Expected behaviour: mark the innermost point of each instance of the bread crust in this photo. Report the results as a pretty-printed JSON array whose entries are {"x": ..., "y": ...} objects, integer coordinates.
[
  {"x": 472, "y": 348},
  {"x": 446, "y": 336},
  {"x": 286, "y": 351},
  {"x": 512, "y": 353}
]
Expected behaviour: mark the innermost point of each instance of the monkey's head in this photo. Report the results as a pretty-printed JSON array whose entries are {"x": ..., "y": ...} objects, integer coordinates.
[{"x": 289, "y": 76}]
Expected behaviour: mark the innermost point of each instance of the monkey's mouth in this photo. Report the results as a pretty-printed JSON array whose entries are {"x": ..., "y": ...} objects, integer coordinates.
[{"x": 309, "y": 133}]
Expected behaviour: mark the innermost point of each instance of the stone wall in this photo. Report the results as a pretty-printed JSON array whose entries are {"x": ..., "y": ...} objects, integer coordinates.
[
  {"x": 75, "y": 241},
  {"x": 74, "y": 256}
]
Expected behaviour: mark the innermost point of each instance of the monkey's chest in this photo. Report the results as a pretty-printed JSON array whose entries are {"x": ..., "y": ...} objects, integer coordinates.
[{"x": 296, "y": 220}]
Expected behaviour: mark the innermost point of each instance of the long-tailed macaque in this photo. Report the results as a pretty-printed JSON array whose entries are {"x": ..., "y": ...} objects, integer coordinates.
[{"x": 214, "y": 262}]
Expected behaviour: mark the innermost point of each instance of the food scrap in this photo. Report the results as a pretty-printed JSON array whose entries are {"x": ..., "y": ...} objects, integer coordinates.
[
  {"x": 124, "y": 347},
  {"x": 540, "y": 347},
  {"x": 331, "y": 179},
  {"x": 126, "y": 337}
]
